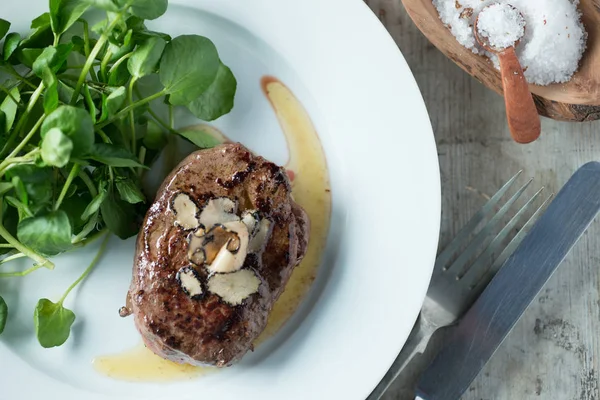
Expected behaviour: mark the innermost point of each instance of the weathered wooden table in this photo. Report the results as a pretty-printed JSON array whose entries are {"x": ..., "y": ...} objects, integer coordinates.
[{"x": 554, "y": 351}]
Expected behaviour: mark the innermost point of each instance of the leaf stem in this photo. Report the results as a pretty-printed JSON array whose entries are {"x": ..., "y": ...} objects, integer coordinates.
[
  {"x": 86, "y": 67},
  {"x": 93, "y": 54},
  {"x": 126, "y": 110},
  {"x": 131, "y": 115},
  {"x": 6, "y": 246},
  {"x": 88, "y": 269},
  {"x": 11, "y": 71},
  {"x": 86, "y": 46},
  {"x": 88, "y": 182},
  {"x": 118, "y": 63},
  {"x": 12, "y": 257},
  {"x": 90, "y": 102},
  {"x": 160, "y": 121},
  {"x": 91, "y": 224},
  {"x": 142, "y": 158},
  {"x": 41, "y": 261},
  {"x": 74, "y": 172},
  {"x": 88, "y": 227},
  {"x": 104, "y": 64},
  {"x": 9, "y": 95},
  {"x": 104, "y": 137},
  {"x": 22, "y": 273},
  {"x": 27, "y": 158},
  {"x": 26, "y": 139},
  {"x": 32, "y": 101},
  {"x": 171, "y": 117}
]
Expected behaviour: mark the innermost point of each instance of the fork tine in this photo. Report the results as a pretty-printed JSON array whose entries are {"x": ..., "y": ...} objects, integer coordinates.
[
  {"x": 482, "y": 264},
  {"x": 463, "y": 235},
  {"x": 511, "y": 247},
  {"x": 484, "y": 235}
]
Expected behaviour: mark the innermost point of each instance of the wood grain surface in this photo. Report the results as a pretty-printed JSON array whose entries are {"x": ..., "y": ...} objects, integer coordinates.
[
  {"x": 554, "y": 351},
  {"x": 577, "y": 100}
]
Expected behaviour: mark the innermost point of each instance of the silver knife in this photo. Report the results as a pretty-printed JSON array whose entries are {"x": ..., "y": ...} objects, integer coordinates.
[{"x": 493, "y": 315}]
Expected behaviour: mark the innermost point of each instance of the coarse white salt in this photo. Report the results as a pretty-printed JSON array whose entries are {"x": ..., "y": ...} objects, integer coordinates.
[
  {"x": 500, "y": 25},
  {"x": 553, "y": 43}
]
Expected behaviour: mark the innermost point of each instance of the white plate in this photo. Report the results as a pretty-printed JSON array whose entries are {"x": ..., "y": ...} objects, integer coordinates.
[{"x": 342, "y": 64}]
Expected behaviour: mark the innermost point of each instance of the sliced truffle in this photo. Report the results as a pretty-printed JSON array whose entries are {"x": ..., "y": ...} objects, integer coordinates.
[
  {"x": 218, "y": 211},
  {"x": 185, "y": 210},
  {"x": 234, "y": 288},
  {"x": 190, "y": 282},
  {"x": 222, "y": 249},
  {"x": 251, "y": 219}
]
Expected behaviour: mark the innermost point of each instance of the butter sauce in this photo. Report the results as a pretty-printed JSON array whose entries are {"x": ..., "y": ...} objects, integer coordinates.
[
  {"x": 307, "y": 168},
  {"x": 142, "y": 365},
  {"x": 310, "y": 188}
]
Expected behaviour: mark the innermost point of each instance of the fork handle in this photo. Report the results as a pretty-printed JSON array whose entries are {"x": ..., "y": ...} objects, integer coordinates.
[{"x": 415, "y": 344}]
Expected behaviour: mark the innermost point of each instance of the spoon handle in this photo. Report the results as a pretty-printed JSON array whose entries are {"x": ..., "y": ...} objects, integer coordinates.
[{"x": 523, "y": 119}]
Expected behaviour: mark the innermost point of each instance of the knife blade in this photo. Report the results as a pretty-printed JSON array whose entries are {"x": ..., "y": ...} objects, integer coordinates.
[{"x": 487, "y": 323}]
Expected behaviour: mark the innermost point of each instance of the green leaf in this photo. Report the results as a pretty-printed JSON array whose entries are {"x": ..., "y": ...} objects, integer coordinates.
[
  {"x": 10, "y": 219},
  {"x": 76, "y": 123},
  {"x": 144, "y": 60},
  {"x": 22, "y": 209},
  {"x": 200, "y": 138},
  {"x": 64, "y": 13},
  {"x": 121, "y": 46},
  {"x": 115, "y": 101},
  {"x": 155, "y": 138},
  {"x": 78, "y": 44},
  {"x": 5, "y": 187},
  {"x": 9, "y": 108},
  {"x": 74, "y": 206},
  {"x": 114, "y": 156},
  {"x": 129, "y": 191},
  {"x": 51, "y": 97},
  {"x": 146, "y": 9},
  {"x": 119, "y": 216},
  {"x": 11, "y": 43},
  {"x": 56, "y": 148},
  {"x": 188, "y": 67},
  {"x": 94, "y": 204},
  {"x": 3, "y": 314},
  {"x": 41, "y": 21},
  {"x": 2, "y": 128},
  {"x": 108, "y": 5},
  {"x": 48, "y": 234},
  {"x": 37, "y": 181},
  {"x": 65, "y": 92},
  {"x": 53, "y": 58},
  {"x": 52, "y": 323},
  {"x": 20, "y": 190},
  {"x": 119, "y": 76},
  {"x": 41, "y": 36},
  {"x": 218, "y": 99},
  {"x": 28, "y": 56},
  {"x": 4, "y": 27}
]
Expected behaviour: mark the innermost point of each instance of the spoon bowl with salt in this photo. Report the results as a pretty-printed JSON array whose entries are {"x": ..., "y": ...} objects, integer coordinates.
[{"x": 498, "y": 29}]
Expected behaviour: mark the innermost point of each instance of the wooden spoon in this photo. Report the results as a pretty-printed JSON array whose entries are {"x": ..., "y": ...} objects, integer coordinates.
[{"x": 522, "y": 116}]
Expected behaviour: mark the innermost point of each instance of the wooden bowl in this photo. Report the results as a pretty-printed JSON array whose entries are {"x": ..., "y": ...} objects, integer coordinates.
[{"x": 576, "y": 100}]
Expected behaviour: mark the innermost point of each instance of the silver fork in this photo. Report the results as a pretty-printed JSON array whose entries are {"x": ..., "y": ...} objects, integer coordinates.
[{"x": 456, "y": 285}]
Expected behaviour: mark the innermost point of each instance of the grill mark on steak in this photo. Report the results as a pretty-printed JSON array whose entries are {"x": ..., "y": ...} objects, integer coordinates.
[{"x": 208, "y": 331}]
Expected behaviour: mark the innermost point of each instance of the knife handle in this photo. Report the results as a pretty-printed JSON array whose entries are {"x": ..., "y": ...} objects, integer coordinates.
[{"x": 415, "y": 344}]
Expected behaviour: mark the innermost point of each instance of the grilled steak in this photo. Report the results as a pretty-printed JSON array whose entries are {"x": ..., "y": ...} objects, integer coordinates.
[{"x": 215, "y": 252}]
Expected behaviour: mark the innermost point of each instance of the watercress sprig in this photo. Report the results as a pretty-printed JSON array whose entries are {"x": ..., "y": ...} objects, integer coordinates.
[{"x": 76, "y": 133}]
